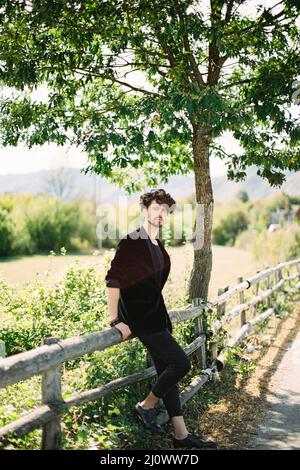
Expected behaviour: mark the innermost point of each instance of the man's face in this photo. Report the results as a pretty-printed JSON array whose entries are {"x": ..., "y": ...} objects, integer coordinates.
[{"x": 156, "y": 214}]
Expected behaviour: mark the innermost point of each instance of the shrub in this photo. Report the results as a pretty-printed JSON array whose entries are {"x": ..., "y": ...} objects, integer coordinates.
[
  {"x": 227, "y": 229},
  {"x": 52, "y": 224},
  {"x": 31, "y": 224},
  {"x": 279, "y": 246},
  {"x": 6, "y": 233}
]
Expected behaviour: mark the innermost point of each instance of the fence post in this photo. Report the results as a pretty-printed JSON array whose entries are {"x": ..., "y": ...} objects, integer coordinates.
[
  {"x": 287, "y": 270},
  {"x": 268, "y": 285},
  {"x": 242, "y": 300},
  {"x": 222, "y": 307},
  {"x": 214, "y": 351},
  {"x": 2, "y": 349},
  {"x": 200, "y": 352},
  {"x": 51, "y": 395},
  {"x": 257, "y": 284},
  {"x": 279, "y": 277}
]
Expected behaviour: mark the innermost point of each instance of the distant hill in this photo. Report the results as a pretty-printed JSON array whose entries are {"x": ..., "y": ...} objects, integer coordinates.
[{"x": 67, "y": 183}]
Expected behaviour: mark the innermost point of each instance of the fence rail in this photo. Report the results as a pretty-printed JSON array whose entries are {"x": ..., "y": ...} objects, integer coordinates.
[{"x": 47, "y": 359}]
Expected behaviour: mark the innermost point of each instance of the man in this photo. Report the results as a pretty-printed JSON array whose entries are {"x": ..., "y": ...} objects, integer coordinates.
[{"x": 136, "y": 307}]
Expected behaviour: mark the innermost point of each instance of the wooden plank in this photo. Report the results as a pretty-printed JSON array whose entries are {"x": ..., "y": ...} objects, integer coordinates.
[
  {"x": 222, "y": 357},
  {"x": 2, "y": 349},
  {"x": 51, "y": 395},
  {"x": 24, "y": 365},
  {"x": 242, "y": 300},
  {"x": 201, "y": 352},
  {"x": 45, "y": 413}
]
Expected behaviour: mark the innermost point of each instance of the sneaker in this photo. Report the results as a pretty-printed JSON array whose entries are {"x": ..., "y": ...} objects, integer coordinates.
[
  {"x": 191, "y": 441},
  {"x": 148, "y": 418}
]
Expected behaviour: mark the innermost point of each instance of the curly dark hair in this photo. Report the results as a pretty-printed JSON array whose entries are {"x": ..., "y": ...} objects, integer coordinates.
[{"x": 158, "y": 195}]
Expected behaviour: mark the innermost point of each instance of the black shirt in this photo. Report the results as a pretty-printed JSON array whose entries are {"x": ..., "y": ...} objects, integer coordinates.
[
  {"x": 140, "y": 313},
  {"x": 157, "y": 256},
  {"x": 158, "y": 260}
]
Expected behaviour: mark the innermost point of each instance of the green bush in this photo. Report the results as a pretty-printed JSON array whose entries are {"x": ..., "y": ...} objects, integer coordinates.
[
  {"x": 32, "y": 224},
  {"x": 279, "y": 246},
  {"x": 227, "y": 229},
  {"x": 51, "y": 223},
  {"x": 6, "y": 233}
]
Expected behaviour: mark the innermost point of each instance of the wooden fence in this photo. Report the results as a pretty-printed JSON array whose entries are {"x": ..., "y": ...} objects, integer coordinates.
[{"x": 47, "y": 359}]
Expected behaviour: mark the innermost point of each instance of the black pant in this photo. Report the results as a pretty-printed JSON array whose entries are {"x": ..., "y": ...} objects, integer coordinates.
[{"x": 171, "y": 363}]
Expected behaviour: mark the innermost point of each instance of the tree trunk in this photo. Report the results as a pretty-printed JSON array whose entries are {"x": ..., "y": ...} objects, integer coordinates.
[{"x": 200, "y": 275}]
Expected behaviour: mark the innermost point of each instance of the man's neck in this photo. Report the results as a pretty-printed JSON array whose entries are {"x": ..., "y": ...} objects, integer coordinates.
[{"x": 151, "y": 230}]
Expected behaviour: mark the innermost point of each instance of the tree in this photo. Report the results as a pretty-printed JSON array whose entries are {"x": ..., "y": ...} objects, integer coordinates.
[
  {"x": 209, "y": 67},
  {"x": 60, "y": 183},
  {"x": 242, "y": 195}
]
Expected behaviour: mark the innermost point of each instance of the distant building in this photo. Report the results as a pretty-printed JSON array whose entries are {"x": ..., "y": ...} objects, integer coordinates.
[{"x": 273, "y": 228}]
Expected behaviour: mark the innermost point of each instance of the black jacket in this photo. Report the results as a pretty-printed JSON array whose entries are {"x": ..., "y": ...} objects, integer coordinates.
[{"x": 141, "y": 304}]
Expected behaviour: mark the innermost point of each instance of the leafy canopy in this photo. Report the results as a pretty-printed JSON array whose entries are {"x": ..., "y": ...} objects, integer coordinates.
[{"x": 132, "y": 81}]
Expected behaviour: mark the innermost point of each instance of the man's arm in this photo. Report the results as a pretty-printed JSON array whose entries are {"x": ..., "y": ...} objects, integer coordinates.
[
  {"x": 113, "y": 294},
  {"x": 115, "y": 277}
]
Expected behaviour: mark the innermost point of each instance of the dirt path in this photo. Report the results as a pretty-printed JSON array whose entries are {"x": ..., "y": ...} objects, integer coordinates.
[
  {"x": 280, "y": 429},
  {"x": 263, "y": 410}
]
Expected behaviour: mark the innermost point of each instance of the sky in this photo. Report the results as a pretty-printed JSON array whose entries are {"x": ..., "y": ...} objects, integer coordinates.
[{"x": 20, "y": 159}]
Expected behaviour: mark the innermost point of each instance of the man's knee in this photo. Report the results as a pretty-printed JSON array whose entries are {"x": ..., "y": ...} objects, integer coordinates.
[{"x": 184, "y": 366}]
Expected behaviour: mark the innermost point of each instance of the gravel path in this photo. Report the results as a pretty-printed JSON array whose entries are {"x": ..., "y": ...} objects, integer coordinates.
[{"x": 280, "y": 428}]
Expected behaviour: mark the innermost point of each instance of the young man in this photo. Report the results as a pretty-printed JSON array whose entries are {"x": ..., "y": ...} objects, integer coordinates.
[{"x": 136, "y": 306}]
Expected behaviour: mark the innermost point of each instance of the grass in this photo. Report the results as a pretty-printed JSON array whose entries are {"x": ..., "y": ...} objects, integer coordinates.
[
  {"x": 228, "y": 264},
  {"x": 18, "y": 271}
]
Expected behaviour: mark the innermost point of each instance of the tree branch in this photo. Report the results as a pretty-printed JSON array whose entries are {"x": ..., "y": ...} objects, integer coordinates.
[{"x": 120, "y": 82}]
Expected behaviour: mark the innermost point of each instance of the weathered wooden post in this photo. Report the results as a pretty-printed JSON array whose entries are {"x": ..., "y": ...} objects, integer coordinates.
[
  {"x": 214, "y": 351},
  {"x": 287, "y": 270},
  {"x": 268, "y": 285},
  {"x": 257, "y": 284},
  {"x": 2, "y": 349},
  {"x": 201, "y": 352},
  {"x": 222, "y": 306},
  {"x": 221, "y": 309},
  {"x": 242, "y": 300},
  {"x": 279, "y": 277},
  {"x": 51, "y": 395}
]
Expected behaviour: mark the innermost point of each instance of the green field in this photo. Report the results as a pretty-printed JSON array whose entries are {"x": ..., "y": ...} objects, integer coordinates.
[{"x": 228, "y": 264}]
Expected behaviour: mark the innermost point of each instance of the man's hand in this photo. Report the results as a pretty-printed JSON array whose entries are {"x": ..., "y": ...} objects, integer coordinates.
[{"x": 125, "y": 330}]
